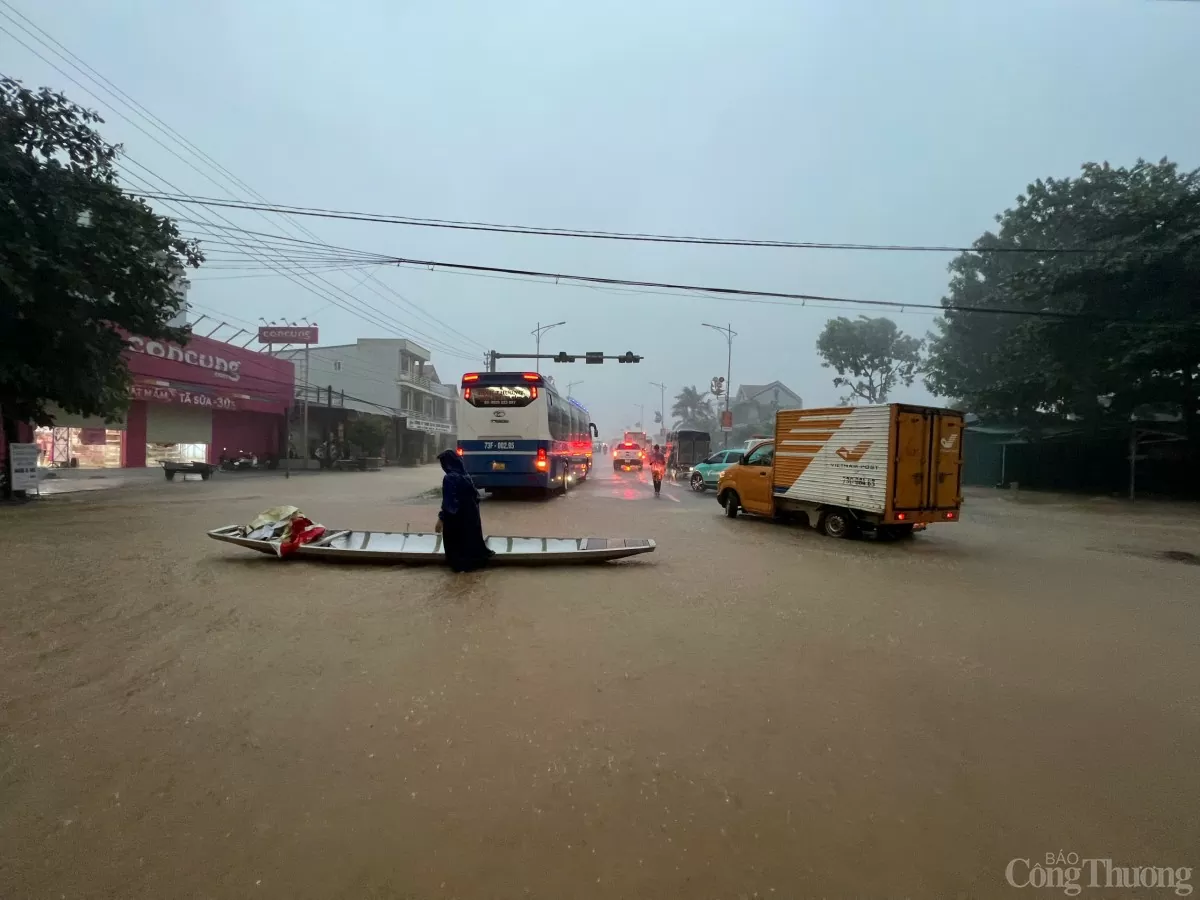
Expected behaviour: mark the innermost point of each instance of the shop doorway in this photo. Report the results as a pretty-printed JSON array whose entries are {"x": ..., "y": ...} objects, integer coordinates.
[
  {"x": 177, "y": 433},
  {"x": 83, "y": 448}
]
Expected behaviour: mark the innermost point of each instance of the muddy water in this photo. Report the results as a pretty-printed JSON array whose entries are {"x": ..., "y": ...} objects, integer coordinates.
[{"x": 753, "y": 710}]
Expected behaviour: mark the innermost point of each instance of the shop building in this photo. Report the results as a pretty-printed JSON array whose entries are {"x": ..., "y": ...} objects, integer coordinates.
[
  {"x": 389, "y": 377},
  {"x": 200, "y": 402}
]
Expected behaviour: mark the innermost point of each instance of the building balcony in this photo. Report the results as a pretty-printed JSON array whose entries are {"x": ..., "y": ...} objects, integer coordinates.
[{"x": 417, "y": 381}]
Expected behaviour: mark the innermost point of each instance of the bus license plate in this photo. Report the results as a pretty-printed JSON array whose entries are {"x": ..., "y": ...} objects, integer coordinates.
[{"x": 497, "y": 466}]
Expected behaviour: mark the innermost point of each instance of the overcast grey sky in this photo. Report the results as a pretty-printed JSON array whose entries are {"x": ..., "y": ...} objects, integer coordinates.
[{"x": 883, "y": 122}]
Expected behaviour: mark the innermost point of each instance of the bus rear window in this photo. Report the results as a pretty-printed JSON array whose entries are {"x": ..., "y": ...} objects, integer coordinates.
[{"x": 502, "y": 395}]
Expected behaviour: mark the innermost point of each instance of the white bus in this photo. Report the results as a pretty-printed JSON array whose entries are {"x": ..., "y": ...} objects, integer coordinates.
[{"x": 516, "y": 431}]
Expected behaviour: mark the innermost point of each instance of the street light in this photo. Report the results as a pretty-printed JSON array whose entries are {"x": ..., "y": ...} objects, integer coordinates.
[
  {"x": 662, "y": 400},
  {"x": 641, "y": 422},
  {"x": 571, "y": 385},
  {"x": 537, "y": 333},
  {"x": 730, "y": 334}
]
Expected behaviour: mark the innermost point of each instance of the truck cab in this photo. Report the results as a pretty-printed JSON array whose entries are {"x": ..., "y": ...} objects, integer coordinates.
[{"x": 751, "y": 479}]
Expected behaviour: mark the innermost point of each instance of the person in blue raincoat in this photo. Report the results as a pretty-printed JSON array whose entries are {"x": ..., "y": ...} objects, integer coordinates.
[{"x": 459, "y": 522}]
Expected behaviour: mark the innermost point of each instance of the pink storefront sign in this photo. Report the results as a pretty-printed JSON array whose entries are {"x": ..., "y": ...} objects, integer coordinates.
[
  {"x": 182, "y": 397},
  {"x": 210, "y": 374}
]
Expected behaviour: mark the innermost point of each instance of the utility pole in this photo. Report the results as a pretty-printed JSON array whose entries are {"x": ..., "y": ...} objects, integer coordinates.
[
  {"x": 571, "y": 385},
  {"x": 537, "y": 333},
  {"x": 730, "y": 334},
  {"x": 662, "y": 412}
]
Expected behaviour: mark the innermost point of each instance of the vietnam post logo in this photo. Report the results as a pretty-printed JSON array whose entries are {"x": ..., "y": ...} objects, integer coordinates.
[
  {"x": 856, "y": 453},
  {"x": 949, "y": 443}
]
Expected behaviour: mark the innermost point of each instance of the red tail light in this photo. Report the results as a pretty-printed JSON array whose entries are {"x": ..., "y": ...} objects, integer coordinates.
[
  {"x": 466, "y": 393},
  {"x": 541, "y": 462},
  {"x": 532, "y": 376},
  {"x": 460, "y": 451},
  {"x": 642, "y": 454},
  {"x": 949, "y": 515},
  {"x": 900, "y": 517},
  {"x": 532, "y": 393},
  {"x": 471, "y": 376}
]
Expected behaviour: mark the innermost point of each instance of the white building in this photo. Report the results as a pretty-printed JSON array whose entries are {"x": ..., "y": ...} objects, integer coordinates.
[{"x": 381, "y": 376}]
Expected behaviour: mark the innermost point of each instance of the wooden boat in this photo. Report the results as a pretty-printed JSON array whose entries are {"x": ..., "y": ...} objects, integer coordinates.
[{"x": 423, "y": 547}]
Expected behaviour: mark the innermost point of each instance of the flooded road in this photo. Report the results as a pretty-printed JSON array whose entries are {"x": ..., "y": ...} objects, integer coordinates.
[{"x": 753, "y": 710}]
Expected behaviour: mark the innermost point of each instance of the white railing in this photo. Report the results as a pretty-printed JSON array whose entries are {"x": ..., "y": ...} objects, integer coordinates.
[{"x": 417, "y": 380}]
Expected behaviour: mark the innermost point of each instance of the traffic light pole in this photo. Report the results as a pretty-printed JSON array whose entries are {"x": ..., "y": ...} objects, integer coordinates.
[
  {"x": 730, "y": 334},
  {"x": 662, "y": 412},
  {"x": 592, "y": 358}
]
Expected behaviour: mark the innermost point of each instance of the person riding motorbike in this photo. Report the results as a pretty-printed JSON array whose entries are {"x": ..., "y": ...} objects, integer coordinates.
[{"x": 658, "y": 466}]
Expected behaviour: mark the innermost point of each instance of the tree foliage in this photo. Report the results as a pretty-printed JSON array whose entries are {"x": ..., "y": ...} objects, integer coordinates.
[
  {"x": 1116, "y": 252},
  {"x": 693, "y": 409},
  {"x": 368, "y": 434},
  {"x": 79, "y": 259},
  {"x": 870, "y": 356}
]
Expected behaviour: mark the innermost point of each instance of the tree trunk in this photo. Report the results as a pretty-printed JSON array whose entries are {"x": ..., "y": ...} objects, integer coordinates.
[{"x": 1191, "y": 429}]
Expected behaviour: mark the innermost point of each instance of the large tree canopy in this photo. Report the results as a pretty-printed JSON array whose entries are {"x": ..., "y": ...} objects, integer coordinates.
[
  {"x": 79, "y": 259},
  {"x": 870, "y": 356},
  {"x": 1116, "y": 252}
]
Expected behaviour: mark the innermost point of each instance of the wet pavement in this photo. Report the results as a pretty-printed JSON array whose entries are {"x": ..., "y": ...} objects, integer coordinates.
[{"x": 753, "y": 710}]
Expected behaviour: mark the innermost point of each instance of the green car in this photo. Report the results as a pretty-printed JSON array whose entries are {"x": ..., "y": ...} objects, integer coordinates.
[{"x": 704, "y": 475}]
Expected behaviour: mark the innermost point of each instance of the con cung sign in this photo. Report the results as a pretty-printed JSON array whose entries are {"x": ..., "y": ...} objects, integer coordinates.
[
  {"x": 228, "y": 369},
  {"x": 287, "y": 334}
]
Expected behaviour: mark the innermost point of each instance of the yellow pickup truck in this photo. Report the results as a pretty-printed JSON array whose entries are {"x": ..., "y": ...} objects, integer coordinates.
[{"x": 888, "y": 469}]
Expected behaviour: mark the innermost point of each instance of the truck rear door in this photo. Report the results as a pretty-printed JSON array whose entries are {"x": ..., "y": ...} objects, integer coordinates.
[
  {"x": 910, "y": 481},
  {"x": 947, "y": 461}
]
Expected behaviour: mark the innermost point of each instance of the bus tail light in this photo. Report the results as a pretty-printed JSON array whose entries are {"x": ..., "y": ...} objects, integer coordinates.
[{"x": 541, "y": 463}]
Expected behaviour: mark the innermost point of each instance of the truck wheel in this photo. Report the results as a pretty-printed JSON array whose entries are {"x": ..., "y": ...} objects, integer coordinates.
[
  {"x": 837, "y": 523},
  {"x": 170, "y": 475},
  {"x": 731, "y": 504},
  {"x": 698, "y": 483},
  {"x": 616, "y": 467}
]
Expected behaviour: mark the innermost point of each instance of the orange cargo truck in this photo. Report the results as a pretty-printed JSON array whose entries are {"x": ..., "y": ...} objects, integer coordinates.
[{"x": 885, "y": 469}]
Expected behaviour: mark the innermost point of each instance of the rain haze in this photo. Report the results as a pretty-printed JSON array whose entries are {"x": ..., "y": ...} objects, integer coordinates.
[
  {"x": 439, "y": 641},
  {"x": 876, "y": 123}
]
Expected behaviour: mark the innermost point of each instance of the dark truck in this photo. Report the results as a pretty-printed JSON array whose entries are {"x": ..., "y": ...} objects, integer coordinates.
[{"x": 684, "y": 450}]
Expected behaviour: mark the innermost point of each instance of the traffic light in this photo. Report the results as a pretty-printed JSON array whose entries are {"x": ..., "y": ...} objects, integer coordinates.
[
  {"x": 628, "y": 357},
  {"x": 562, "y": 357},
  {"x": 594, "y": 358}
]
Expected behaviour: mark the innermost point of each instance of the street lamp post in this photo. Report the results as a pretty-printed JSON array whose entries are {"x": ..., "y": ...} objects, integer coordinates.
[
  {"x": 662, "y": 412},
  {"x": 641, "y": 422},
  {"x": 537, "y": 333},
  {"x": 730, "y": 334},
  {"x": 571, "y": 385}
]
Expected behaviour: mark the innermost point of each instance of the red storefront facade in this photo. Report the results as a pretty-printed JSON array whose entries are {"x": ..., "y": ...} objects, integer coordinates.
[{"x": 201, "y": 401}]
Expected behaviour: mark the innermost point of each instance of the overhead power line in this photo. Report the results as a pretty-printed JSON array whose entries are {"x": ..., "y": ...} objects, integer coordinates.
[
  {"x": 643, "y": 237},
  {"x": 726, "y": 293},
  {"x": 36, "y": 33}
]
